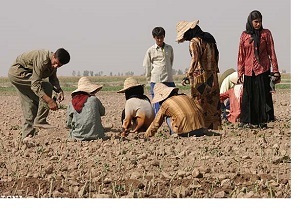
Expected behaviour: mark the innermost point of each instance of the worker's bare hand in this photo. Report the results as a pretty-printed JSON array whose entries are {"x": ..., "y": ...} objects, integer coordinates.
[
  {"x": 185, "y": 81},
  {"x": 60, "y": 96},
  {"x": 52, "y": 105}
]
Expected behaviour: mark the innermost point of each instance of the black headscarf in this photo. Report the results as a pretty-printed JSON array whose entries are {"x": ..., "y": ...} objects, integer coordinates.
[
  {"x": 136, "y": 92},
  {"x": 255, "y": 34},
  {"x": 206, "y": 36},
  {"x": 197, "y": 32}
]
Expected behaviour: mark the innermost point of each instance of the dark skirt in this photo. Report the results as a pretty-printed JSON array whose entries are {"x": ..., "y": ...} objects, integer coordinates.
[{"x": 257, "y": 104}]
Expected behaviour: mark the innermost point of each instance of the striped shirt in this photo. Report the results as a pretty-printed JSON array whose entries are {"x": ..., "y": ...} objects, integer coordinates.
[
  {"x": 267, "y": 56},
  {"x": 185, "y": 115}
]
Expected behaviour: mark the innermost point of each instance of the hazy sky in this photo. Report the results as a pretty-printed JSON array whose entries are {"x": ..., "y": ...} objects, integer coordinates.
[{"x": 113, "y": 36}]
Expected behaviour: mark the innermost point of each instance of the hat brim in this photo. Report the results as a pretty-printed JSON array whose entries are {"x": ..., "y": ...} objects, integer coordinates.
[
  {"x": 89, "y": 89},
  {"x": 162, "y": 96},
  {"x": 189, "y": 25},
  {"x": 224, "y": 75},
  {"x": 127, "y": 88}
]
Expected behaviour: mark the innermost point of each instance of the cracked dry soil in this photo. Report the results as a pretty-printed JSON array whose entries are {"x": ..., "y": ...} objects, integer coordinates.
[{"x": 233, "y": 163}]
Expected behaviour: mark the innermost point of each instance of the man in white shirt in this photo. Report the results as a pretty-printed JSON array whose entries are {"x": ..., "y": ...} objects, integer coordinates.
[{"x": 158, "y": 63}]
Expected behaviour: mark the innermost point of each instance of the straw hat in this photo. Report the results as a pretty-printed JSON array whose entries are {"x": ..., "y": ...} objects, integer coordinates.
[
  {"x": 224, "y": 75},
  {"x": 184, "y": 26},
  {"x": 85, "y": 85},
  {"x": 161, "y": 92},
  {"x": 130, "y": 82}
]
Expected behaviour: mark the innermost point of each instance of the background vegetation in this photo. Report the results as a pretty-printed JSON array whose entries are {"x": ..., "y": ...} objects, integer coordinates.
[{"x": 115, "y": 83}]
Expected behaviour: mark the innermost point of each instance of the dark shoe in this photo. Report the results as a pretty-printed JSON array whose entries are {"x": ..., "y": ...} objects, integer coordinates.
[{"x": 262, "y": 125}]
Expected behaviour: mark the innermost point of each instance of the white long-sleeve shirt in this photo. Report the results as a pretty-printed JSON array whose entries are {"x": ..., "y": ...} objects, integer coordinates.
[
  {"x": 158, "y": 64},
  {"x": 227, "y": 83}
]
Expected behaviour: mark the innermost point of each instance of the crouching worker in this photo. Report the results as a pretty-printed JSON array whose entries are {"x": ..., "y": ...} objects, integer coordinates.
[
  {"x": 138, "y": 113},
  {"x": 34, "y": 75},
  {"x": 227, "y": 84},
  {"x": 235, "y": 99},
  {"x": 85, "y": 111},
  {"x": 183, "y": 116}
]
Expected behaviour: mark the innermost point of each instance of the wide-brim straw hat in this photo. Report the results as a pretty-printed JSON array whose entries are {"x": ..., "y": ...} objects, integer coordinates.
[
  {"x": 184, "y": 26},
  {"x": 224, "y": 75},
  {"x": 130, "y": 82},
  {"x": 161, "y": 92},
  {"x": 85, "y": 85}
]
